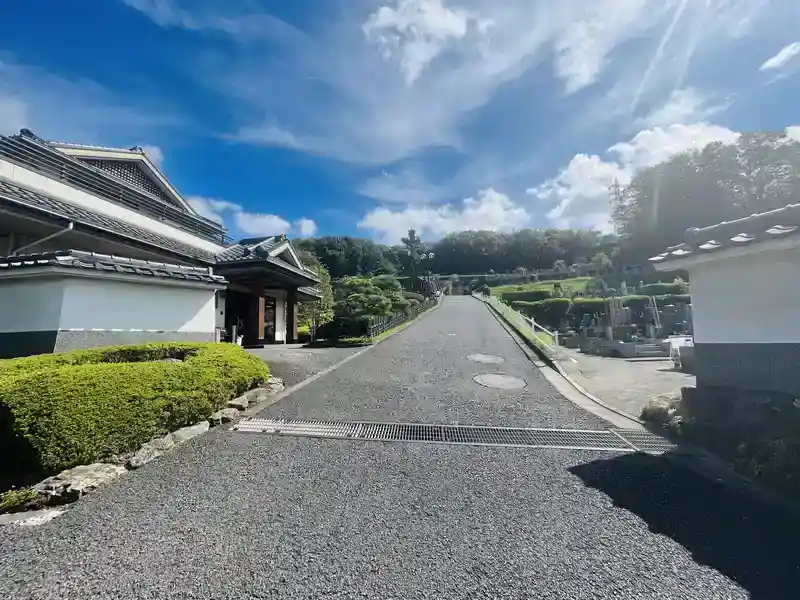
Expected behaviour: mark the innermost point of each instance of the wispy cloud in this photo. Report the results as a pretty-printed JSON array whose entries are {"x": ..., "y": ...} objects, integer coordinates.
[
  {"x": 74, "y": 109},
  {"x": 784, "y": 57},
  {"x": 683, "y": 106}
]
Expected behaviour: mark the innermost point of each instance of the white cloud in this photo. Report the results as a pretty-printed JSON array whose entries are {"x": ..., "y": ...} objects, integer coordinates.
[
  {"x": 155, "y": 154},
  {"x": 259, "y": 224},
  {"x": 250, "y": 223},
  {"x": 793, "y": 132},
  {"x": 39, "y": 100},
  {"x": 416, "y": 32},
  {"x": 329, "y": 90},
  {"x": 490, "y": 210},
  {"x": 580, "y": 195},
  {"x": 305, "y": 227},
  {"x": 683, "y": 106},
  {"x": 786, "y": 55}
]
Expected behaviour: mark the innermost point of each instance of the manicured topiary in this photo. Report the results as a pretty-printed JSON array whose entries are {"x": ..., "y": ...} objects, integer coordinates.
[{"x": 62, "y": 410}]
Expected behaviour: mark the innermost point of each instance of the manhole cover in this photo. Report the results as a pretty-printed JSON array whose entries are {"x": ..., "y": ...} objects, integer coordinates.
[
  {"x": 296, "y": 354},
  {"x": 487, "y": 359},
  {"x": 501, "y": 382}
]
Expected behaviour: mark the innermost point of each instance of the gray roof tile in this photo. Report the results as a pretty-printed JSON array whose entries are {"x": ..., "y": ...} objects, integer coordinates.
[
  {"x": 756, "y": 228},
  {"x": 14, "y": 194},
  {"x": 79, "y": 259}
]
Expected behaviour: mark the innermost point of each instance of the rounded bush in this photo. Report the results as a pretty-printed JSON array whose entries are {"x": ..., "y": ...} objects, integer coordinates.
[{"x": 58, "y": 411}]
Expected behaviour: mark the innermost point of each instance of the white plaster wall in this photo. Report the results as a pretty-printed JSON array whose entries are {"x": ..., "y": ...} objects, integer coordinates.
[
  {"x": 220, "y": 310},
  {"x": 77, "y": 197},
  {"x": 30, "y": 304},
  {"x": 107, "y": 304},
  {"x": 754, "y": 299},
  {"x": 280, "y": 313}
]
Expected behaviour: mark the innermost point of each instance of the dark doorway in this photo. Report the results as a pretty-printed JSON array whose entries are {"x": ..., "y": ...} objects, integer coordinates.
[{"x": 269, "y": 320}]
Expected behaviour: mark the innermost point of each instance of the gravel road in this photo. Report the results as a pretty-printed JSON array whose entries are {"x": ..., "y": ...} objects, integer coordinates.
[{"x": 250, "y": 516}]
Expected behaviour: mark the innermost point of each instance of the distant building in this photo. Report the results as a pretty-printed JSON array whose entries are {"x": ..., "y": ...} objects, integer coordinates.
[
  {"x": 98, "y": 248},
  {"x": 745, "y": 280}
]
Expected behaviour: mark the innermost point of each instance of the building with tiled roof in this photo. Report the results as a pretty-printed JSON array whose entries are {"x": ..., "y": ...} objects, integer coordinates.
[
  {"x": 93, "y": 215},
  {"x": 745, "y": 285}
]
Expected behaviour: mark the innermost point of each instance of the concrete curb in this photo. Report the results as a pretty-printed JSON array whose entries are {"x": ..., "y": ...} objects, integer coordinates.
[
  {"x": 544, "y": 363},
  {"x": 256, "y": 408}
]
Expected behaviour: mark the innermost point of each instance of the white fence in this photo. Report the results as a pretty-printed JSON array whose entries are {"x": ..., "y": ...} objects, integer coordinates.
[{"x": 545, "y": 339}]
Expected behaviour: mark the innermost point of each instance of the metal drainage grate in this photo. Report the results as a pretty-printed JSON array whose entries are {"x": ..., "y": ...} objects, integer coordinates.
[
  {"x": 619, "y": 440},
  {"x": 644, "y": 441}
]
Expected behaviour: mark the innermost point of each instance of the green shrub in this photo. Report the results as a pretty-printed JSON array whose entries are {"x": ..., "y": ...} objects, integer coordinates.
[
  {"x": 662, "y": 289},
  {"x": 526, "y": 296},
  {"x": 63, "y": 410},
  {"x": 414, "y": 296},
  {"x": 16, "y": 500}
]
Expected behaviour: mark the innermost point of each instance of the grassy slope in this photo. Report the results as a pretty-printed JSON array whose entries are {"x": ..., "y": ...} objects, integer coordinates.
[{"x": 576, "y": 283}]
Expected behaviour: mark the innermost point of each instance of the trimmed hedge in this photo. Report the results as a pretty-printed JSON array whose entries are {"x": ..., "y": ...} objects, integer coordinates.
[
  {"x": 552, "y": 312},
  {"x": 62, "y": 410},
  {"x": 663, "y": 289},
  {"x": 526, "y": 296},
  {"x": 414, "y": 296}
]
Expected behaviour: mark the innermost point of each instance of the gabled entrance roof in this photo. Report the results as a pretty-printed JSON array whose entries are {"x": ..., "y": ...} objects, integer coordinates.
[{"x": 267, "y": 261}]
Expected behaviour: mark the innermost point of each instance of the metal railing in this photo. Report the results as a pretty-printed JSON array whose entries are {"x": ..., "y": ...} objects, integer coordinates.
[
  {"x": 547, "y": 340},
  {"x": 379, "y": 325},
  {"x": 35, "y": 155}
]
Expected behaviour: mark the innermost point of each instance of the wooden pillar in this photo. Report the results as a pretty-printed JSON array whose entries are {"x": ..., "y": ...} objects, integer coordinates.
[{"x": 291, "y": 316}]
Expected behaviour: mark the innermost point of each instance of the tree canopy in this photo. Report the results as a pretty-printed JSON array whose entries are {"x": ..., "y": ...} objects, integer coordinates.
[{"x": 699, "y": 188}]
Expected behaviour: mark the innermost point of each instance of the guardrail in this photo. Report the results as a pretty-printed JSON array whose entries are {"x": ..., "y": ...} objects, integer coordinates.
[{"x": 545, "y": 339}]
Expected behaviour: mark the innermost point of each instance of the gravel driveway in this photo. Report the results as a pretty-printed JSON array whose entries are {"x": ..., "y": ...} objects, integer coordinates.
[{"x": 250, "y": 516}]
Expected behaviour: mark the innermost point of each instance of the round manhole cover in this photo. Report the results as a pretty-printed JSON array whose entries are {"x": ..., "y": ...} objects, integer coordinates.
[
  {"x": 501, "y": 382},
  {"x": 488, "y": 359},
  {"x": 296, "y": 354}
]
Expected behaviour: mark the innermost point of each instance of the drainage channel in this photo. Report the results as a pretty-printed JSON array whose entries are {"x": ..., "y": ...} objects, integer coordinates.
[{"x": 610, "y": 440}]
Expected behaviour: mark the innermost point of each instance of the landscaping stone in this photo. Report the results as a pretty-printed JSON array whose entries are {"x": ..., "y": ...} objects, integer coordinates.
[
  {"x": 186, "y": 433},
  {"x": 240, "y": 403},
  {"x": 73, "y": 483},
  {"x": 274, "y": 384},
  {"x": 143, "y": 455},
  {"x": 226, "y": 415},
  {"x": 162, "y": 444}
]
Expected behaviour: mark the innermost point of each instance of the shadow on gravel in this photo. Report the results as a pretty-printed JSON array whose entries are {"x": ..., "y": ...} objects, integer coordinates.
[{"x": 740, "y": 535}]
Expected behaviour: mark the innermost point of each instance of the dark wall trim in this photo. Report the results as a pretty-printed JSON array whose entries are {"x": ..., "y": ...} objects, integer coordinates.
[{"x": 753, "y": 367}]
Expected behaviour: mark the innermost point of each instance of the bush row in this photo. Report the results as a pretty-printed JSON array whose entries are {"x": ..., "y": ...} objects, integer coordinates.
[
  {"x": 526, "y": 296},
  {"x": 62, "y": 410},
  {"x": 551, "y": 312}
]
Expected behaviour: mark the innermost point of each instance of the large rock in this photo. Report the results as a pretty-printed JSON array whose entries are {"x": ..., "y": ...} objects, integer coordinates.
[
  {"x": 226, "y": 415},
  {"x": 274, "y": 385},
  {"x": 240, "y": 403},
  {"x": 186, "y": 433},
  {"x": 71, "y": 484}
]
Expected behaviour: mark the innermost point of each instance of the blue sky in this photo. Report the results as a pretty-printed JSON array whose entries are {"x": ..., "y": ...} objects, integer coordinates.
[{"x": 367, "y": 117}]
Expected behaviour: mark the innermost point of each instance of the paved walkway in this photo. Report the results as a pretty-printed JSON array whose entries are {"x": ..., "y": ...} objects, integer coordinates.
[
  {"x": 245, "y": 516},
  {"x": 624, "y": 384},
  {"x": 294, "y": 362}
]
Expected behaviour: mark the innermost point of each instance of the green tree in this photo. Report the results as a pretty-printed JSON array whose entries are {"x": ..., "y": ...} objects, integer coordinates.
[
  {"x": 601, "y": 262},
  {"x": 703, "y": 187},
  {"x": 315, "y": 314}
]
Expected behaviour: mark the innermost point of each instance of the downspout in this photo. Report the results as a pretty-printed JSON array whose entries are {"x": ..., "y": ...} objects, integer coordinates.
[{"x": 45, "y": 238}]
